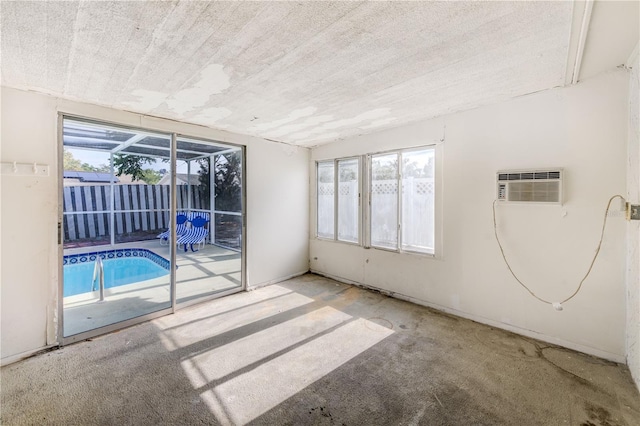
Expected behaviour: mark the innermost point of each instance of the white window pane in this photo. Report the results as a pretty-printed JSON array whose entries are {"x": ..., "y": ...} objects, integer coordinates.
[
  {"x": 418, "y": 198},
  {"x": 348, "y": 191},
  {"x": 384, "y": 201},
  {"x": 326, "y": 200}
]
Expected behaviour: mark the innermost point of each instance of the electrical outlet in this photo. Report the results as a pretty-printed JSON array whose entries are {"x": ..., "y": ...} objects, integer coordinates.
[{"x": 633, "y": 211}]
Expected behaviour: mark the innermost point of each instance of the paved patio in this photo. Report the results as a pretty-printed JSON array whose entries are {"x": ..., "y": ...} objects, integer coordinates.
[{"x": 209, "y": 271}]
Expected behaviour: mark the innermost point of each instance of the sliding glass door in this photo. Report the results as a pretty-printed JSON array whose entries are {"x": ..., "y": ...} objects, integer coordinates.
[
  {"x": 209, "y": 193},
  {"x": 149, "y": 221}
]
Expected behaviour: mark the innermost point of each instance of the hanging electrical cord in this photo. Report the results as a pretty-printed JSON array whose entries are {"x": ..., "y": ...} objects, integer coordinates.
[{"x": 556, "y": 305}]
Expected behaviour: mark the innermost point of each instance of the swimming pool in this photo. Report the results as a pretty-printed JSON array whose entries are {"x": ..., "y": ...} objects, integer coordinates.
[{"x": 121, "y": 267}]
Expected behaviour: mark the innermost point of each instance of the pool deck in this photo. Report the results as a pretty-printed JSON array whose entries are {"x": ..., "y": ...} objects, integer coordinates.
[{"x": 200, "y": 274}]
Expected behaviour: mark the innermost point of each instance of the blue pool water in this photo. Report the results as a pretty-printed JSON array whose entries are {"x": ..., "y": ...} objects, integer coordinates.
[{"x": 120, "y": 267}]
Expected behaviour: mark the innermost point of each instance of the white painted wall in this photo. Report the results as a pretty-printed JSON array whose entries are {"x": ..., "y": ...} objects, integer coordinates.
[
  {"x": 278, "y": 218},
  {"x": 29, "y": 218},
  {"x": 581, "y": 128},
  {"x": 277, "y": 211},
  {"x": 633, "y": 227}
]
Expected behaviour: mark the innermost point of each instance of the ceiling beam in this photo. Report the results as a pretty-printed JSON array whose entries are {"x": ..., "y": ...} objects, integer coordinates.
[
  {"x": 128, "y": 143},
  {"x": 632, "y": 57},
  {"x": 582, "y": 10}
]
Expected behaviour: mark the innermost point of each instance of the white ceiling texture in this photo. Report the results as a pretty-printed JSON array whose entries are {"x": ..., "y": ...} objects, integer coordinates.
[{"x": 303, "y": 73}]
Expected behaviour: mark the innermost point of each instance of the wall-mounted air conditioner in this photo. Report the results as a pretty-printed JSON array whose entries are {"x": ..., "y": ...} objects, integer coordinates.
[{"x": 530, "y": 186}]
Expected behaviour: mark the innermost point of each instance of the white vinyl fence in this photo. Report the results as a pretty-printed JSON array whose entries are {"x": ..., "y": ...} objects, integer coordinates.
[
  {"x": 138, "y": 209},
  {"x": 417, "y": 212}
]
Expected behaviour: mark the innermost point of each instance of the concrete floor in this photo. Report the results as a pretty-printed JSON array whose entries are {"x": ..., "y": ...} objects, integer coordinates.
[{"x": 313, "y": 351}]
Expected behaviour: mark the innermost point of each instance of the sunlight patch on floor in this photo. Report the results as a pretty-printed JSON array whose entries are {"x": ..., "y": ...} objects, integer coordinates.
[
  {"x": 220, "y": 362},
  {"x": 212, "y": 324},
  {"x": 250, "y": 394},
  {"x": 221, "y": 306}
]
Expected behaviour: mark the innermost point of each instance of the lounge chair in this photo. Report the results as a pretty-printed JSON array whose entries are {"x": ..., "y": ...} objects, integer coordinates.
[
  {"x": 197, "y": 233},
  {"x": 181, "y": 220}
]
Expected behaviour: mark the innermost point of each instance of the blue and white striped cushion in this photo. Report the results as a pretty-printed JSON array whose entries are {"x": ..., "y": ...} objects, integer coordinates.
[
  {"x": 194, "y": 236},
  {"x": 181, "y": 228},
  {"x": 197, "y": 233}
]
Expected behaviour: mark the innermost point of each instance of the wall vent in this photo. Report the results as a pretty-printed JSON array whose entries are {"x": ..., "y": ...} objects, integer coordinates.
[{"x": 530, "y": 186}]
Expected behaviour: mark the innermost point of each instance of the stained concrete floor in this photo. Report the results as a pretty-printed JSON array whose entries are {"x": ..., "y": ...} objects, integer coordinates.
[{"x": 313, "y": 351}]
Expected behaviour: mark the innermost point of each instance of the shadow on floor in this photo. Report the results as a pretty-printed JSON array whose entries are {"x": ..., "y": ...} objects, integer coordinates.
[{"x": 313, "y": 351}]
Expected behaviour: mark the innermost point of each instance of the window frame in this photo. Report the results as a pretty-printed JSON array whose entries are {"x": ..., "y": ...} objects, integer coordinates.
[
  {"x": 336, "y": 206},
  {"x": 317, "y": 231},
  {"x": 364, "y": 204},
  {"x": 370, "y": 204},
  {"x": 437, "y": 226}
]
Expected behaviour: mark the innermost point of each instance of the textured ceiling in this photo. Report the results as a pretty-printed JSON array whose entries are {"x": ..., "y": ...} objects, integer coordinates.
[{"x": 299, "y": 72}]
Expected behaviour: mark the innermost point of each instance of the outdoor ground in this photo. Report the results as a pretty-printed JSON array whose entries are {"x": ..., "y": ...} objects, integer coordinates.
[{"x": 208, "y": 271}]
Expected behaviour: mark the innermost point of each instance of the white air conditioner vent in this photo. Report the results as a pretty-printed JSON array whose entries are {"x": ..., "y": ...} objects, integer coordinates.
[{"x": 530, "y": 186}]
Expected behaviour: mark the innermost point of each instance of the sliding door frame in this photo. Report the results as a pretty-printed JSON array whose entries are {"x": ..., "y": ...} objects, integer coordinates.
[{"x": 174, "y": 135}]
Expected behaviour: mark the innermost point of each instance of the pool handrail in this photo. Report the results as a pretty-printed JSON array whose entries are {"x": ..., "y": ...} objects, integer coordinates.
[{"x": 98, "y": 271}]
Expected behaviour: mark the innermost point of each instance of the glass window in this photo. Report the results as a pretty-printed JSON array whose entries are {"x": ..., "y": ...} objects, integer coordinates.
[
  {"x": 384, "y": 201},
  {"x": 400, "y": 196},
  {"x": 348, "y": 199},
  {"x": 326, "y": 199},
  {"x": 418, "y": 200}
]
